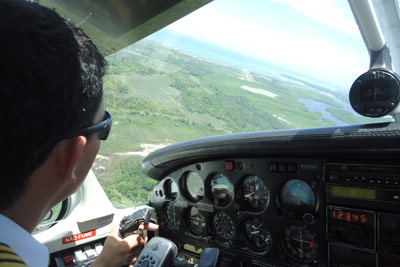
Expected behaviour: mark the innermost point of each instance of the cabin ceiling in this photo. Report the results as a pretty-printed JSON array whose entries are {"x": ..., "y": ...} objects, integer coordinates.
[{"x": 114, "y": 25}]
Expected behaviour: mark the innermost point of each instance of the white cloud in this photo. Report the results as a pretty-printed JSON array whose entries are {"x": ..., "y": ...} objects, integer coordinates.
[
  {"x": 295, "y": 50},
  {"x": 332, "y": 13}
]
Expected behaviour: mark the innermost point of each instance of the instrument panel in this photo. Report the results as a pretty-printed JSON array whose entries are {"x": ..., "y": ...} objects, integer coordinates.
[
  {"x": 259, "y": 209},
  {"x": 326, "y": 197},
  {"x": 284, "y": 212}
]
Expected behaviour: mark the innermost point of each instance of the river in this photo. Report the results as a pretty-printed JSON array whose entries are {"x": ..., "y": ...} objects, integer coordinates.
[{"x": 315, "y": 106}]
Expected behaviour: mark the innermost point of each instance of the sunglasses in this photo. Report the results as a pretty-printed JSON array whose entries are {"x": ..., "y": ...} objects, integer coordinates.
[{"x": 102, "y": 129}]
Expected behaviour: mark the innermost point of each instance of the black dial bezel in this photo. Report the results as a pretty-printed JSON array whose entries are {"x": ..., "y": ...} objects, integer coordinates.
[
  {"x": 194, "y": 229},
  {"x": 228, "y": 221},
  {"x": 296, "y": 209},
  {"x": 375, "y": 107},
  {"x": 185, "y": 187},
  {"x": 292, "y": 253},
  {"x": 247, "y": 240},
  {"x": 230, "y": 192},
  {"x": 174, "y": 226},
  {"x": 249, "y": 204}
]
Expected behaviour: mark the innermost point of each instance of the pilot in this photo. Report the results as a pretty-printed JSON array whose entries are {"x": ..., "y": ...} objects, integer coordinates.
[{"x": 52, "y": 122}]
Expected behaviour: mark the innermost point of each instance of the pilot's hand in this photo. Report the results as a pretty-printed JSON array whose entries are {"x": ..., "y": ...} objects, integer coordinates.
[{"x": 118, "y": 251}]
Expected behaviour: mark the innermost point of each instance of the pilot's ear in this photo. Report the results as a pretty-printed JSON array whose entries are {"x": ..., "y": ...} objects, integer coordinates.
[{"x": 68, "y": 155}]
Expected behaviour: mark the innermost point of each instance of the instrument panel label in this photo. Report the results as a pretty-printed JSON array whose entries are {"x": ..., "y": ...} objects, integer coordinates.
[
  {"x": 77, "y": 237},
  {"x": 205, "y": 207},
  {"x": 181, "y": 204}
]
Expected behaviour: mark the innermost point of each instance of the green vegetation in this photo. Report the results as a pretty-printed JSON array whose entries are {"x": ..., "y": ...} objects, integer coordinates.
[
  {"x": 124, "y": 182},
  {"x": 349, "y": 117},
  {"x": 160, "y": 96}
]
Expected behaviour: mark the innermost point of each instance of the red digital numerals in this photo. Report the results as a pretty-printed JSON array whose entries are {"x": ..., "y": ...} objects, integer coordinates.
[{"x": 348, "y": 216}]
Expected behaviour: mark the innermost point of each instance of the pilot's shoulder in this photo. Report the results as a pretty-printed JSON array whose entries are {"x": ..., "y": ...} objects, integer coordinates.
[{"x": 9, "y": 258}]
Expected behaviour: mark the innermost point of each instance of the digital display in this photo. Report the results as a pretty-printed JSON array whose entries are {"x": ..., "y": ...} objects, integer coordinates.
[
  {"x": 351, "y": 215},
  {"x": 351, "y": 192}
]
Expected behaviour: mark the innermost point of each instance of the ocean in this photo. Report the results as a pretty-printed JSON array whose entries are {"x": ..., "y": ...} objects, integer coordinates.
[{"x": 219, "y": 54}]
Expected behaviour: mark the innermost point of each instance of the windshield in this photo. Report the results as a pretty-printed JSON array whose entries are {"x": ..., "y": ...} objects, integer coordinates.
[{"x": 228, "y": 67}]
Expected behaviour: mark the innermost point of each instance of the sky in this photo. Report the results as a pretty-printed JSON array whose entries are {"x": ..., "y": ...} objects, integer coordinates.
[{"x": 316, "y": 38}]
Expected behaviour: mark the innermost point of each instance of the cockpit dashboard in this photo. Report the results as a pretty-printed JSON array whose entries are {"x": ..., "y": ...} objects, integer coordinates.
[{"x": 329, "y": 202}]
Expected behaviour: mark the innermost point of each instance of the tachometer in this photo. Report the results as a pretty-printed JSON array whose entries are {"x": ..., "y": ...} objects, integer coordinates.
[
  {"x": 297, "y": 194},
  {"x": 221, "y": 190},
  {"x": 224, "y": 226},
  {"x": 254, "y": 192},
  {"x": 256, "y": 235},
  {"x": 194, "y": 186},
  {"x": 300, "y": 244},
  {"x": 172, "y": 216}
]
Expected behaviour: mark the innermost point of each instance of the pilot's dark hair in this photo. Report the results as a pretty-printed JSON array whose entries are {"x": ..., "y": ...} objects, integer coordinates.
[{"x": 50, "y": 86}]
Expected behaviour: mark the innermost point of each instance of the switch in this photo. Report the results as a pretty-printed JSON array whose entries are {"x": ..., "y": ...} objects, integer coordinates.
[
  {"x": 90, "y": 253},
  {"x": 79, "y": 255},
  {"x": 282, "y": 167},
  {"x": 229, "y": 165},
  {"x": 273, "y": 167},
  {"x": 68, "y": 259},
  {"x": 98, "y": 247}
]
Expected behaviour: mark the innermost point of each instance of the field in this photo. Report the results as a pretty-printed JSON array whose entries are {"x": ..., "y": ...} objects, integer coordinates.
[{"x": 159, "y": 96}]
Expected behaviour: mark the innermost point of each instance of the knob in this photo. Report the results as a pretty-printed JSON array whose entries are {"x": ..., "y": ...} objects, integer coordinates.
[{"x": 308, "y": 219}]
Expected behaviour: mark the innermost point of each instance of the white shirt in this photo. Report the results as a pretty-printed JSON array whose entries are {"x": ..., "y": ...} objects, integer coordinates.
[{"x": 31, "y": 251}]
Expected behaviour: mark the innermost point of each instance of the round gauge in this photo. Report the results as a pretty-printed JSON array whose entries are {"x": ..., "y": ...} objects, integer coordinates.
[
  {"x": 297, "y": 194},
  {"x": 256, "y": 235},
  {"x": 224, "y": 226},
  {"x": 171, "y": 189},
  {"x": 194, "y": 185},
  {"x": 221, "y": 190},
  {"x": 300, "y": 244},
  {"x": 196, "y": 221},
  {"x": 375, "y": 93},
  {"x": 171, "y": 216},
  {"x": 255, "y": 193}
]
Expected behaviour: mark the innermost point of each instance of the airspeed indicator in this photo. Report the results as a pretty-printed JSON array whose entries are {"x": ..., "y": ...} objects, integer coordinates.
[{"x": 172, "y": 216}]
